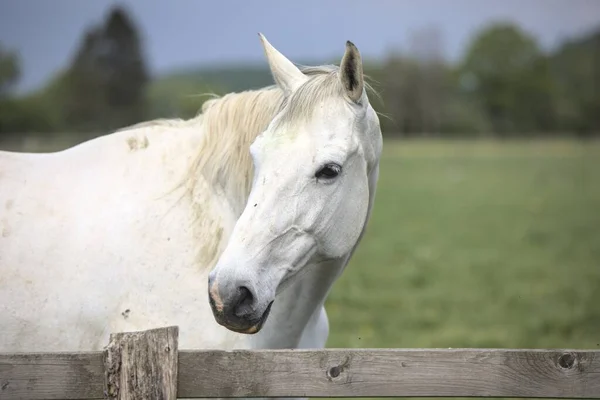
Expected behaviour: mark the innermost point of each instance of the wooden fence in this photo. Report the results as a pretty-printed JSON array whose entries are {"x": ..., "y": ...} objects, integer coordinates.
[{"x": 148, "y": 365}]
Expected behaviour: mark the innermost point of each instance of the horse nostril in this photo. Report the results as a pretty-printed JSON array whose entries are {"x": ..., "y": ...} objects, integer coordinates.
[
  {"x": 246, "y": 296},
  {"x": 245, "y": 302}
]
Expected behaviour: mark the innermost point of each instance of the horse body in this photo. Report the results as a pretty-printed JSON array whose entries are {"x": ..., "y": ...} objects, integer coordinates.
[
  {"x": 107, "y": 247},
  {"x": 218, "y": 224},
  {"x": 117, "y": 249}
]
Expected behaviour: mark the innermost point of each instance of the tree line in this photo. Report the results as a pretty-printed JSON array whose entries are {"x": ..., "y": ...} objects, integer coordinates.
[{"x": 505, "y": 85}]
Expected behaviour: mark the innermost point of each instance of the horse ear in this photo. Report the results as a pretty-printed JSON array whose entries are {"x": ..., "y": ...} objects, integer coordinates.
[
  {"x": 351, "y": 72},
  {"x": 286, "y": 75}
]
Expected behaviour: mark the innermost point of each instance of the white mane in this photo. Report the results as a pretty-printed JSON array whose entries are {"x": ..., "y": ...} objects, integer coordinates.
[{"x": 232, "y": 122}]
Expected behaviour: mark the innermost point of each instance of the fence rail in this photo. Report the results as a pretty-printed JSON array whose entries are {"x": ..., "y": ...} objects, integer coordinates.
[{"x": 149, "y": 365}]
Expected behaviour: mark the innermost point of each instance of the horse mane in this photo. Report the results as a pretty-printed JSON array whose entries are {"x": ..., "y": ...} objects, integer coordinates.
[
  {"x": 231, "y": 123},
  {"x": 229, "y": 126}
]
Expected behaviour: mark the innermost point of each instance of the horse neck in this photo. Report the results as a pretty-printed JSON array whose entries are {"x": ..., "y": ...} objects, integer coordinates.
[{"x": 298, "y": 306}]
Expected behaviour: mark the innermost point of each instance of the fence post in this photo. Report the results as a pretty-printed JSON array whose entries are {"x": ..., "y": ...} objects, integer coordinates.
[{"x": 142, "y": 365}]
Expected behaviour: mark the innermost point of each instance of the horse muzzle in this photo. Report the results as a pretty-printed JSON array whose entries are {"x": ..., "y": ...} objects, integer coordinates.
[{"x": 236, "y": 307}]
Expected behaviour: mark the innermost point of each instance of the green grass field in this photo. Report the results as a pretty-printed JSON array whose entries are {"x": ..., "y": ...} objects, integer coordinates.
[{"x": 477, "y": 244}]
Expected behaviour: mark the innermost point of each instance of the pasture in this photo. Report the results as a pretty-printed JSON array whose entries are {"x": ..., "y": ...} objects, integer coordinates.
[{"x": 477, "y": 244}]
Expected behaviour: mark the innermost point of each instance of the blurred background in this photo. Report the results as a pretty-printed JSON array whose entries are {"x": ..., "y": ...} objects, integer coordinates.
[{"x": 486, "y": 227}]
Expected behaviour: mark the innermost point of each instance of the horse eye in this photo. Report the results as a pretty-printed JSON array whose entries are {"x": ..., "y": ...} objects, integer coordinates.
[{"x": 329, "y": 171}]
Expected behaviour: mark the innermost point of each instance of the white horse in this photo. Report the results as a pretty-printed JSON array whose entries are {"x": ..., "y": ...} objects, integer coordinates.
[{"x": 233, "y": 225}]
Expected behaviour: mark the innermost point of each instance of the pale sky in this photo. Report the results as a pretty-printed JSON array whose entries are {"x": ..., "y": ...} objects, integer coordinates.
[{"x": 187, "y": 33}]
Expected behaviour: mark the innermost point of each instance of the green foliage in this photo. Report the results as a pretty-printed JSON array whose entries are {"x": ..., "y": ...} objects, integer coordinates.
[
  {"x": 230, "y": 78},
  {"x": 10, "y": 70},
  {"x": 511, "y": 79},
  {"x": 106, "y": 83},
  {"x": 179, "y": 97},
  {"x": 576, "y": 72},
  {"x": 30, "y": 114},
  {"x": 26, "y": 115},
  {"x": 462, "y": 117},
  {"x": 504, "y": 86}
]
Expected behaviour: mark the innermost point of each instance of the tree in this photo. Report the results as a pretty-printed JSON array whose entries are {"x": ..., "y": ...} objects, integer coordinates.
[
  {"x": 126, "y": 75},
  {"x": 511, "y": 79},
  {"x": 85, "y": 87},
  {"x": 106, "y": 83},
  {"x": 427, "y": 49},
  {"x": 576, "y": 71},
  {"x": 10, "y": 70},
  {"x": 401, "y": 82},
  {"x": 179, "y": 96},
  {"x": 20, "y": 114},
  {"x": 415, "y": 90}
]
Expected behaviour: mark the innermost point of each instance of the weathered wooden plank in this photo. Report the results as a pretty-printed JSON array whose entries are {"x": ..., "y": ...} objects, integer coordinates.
[
  {"x": 36, "y": 376},
  {"x": 325, "y": 373},
  {"x": 397, "y": 373},
  {"x": 142, "y": 365}
]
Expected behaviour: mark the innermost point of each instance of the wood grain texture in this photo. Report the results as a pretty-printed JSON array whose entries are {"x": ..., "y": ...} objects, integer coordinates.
[
  {"x": 325, "y": 373},
  {"x": 142, "y": 365},
  {"x": 397, "y": 373},
  {"x": 36, "y": 376}
]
